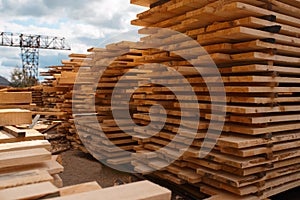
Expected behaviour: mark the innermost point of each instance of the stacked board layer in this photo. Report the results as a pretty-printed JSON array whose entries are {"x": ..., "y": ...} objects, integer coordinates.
[
  {"x": 255, "y": 45},
  {"x": 36, "y": 93}
]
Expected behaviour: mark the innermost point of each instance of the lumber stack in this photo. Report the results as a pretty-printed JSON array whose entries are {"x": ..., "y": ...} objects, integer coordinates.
[
  {"x": 27, "y": 162},
  {"x": 25, "y": 157},
  {"x": 22, "y": 167},
  {"x": 29, "y": 171},
  {"x": 57, "y": 96},
  {"x": 21, "y": 100},
  {"x": 114, "y": 61},
  {"x": 255, "y": 45},
  {"x": 27, "y": 167},
  {"x": 14, "y": 123},
  {"x": 81, "y": 62},
  {"x": 52, "y": 94},
  {"x": 36, "y": 92}
]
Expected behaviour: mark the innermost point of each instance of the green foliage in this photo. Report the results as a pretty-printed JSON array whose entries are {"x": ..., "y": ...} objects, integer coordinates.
[{"x": 20, "y": 80}]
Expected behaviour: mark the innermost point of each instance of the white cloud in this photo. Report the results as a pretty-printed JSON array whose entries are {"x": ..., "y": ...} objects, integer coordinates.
[{"x": 85, "y": 24}]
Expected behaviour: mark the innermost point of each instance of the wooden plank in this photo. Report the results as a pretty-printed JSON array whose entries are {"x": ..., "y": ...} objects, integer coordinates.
[
  {"x": 57, "y": 181},
  {"x": 5, "y": 147},
  {"x": 243, "y": 34},
  {"x": 15, "y": 98},
  {"x": 251, "y": 22},
  {"x": 145, "y": 3},
  {"x": 9, "y": 117},
  {"x": 14, "y": 131},
  {"x": 23, "y": 178},
  {"x": 67, "y": 78},
  {"x": 269, "y": 184},
  {"x": 281, "y": 188},
  {"x": 259, "y": 150},
  {"x": 135, "y": 191},
  {"x": 238, "y": 10},
  {"x": 244, "y": 141},
  {"x": 23, "y": 157},
  {"x": 291, "y": 2},
  {"x": 285, "y": 8},
  {"x": 51, "y": 166},
  {"x": 217, "y": 194},
  {"x": 30, "y": 135},
  {"x": 32, "y": 191},
  {"x": 240, "y": 182},
  {"x": 227, "y": 48},
  {"x": 80, "y": 188}
]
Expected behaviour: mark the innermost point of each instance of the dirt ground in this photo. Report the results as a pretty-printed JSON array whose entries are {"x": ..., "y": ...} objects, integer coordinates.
[{"x": 82, "y": 168}]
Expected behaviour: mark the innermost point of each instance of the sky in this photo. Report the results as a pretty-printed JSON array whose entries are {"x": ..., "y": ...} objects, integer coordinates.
[{"x": 84, "y": 23}]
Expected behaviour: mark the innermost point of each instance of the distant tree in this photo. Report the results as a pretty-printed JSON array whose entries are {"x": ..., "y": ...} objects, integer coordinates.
[{"x": 19, "y": 79}]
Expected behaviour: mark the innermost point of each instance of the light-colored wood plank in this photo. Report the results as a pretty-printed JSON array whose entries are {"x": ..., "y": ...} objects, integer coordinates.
[
  {"x": 5, "y": 147},
  {"x": 57, "y": 181},
  {"x": 80, "y": 188},
  {"x": 32, "y": 191},
  {"x": 24, "y": 178},
  {"x": 30, "y": 135},
  {"x": 51, "y": 166},
  {"x": 9, "y": 117},
  {"x": 143, "y": 190},
  {"x": 14, "y": 131},
  {"x": 23, "y": 157}
]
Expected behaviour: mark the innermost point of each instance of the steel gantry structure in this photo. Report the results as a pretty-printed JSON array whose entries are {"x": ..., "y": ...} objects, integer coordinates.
[{"x": 30, "y": 45}]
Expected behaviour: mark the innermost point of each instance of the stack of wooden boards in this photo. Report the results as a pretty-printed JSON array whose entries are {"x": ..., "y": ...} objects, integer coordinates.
[
  {"x": 113, "y": 61},
  {"x": 21, "y": 100},
  {"x": 28, "y": 162},
  {"x": 24, "y": 153},
  {"x": 29, "y": 171},
  {"x": 15, "y": 117},
  {"x": 255, "y": 45},
  {"x": 36, "y": 92},
  {"x": 57, "y": 96},
  {"x": 140, "y": 190}
]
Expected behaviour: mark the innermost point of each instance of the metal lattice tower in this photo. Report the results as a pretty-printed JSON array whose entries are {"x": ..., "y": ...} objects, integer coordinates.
[
  {"x": 30, "y": 61},
  {"x": 30, "y": 45}
]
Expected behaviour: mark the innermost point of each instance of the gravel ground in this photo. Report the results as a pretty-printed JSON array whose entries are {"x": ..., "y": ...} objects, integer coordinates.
[{"x": 82, "y": 168}]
